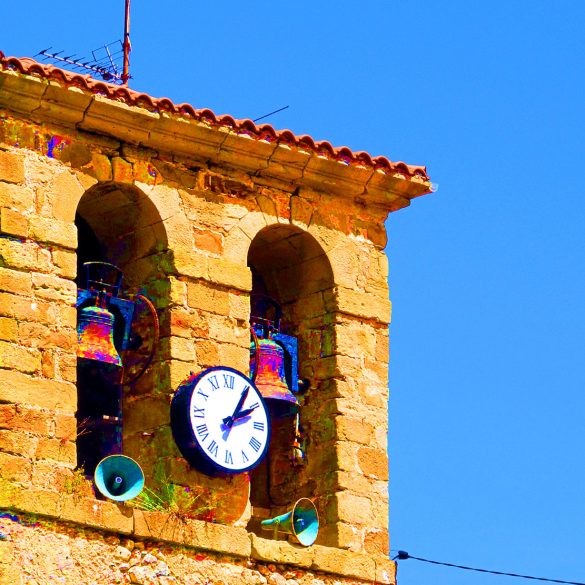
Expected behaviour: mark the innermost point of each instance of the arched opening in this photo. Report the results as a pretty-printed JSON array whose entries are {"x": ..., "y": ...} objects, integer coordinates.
[
  {"x": 120, "y": 225},
  {"x": 290, "y": 266}
]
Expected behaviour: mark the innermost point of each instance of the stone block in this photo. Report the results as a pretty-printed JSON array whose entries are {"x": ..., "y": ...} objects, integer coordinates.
[
  {"x": 376, "y": 542},
  {"x": 117, "y": 119},
  {"x": 54, "y": 288},
  {"x": 67, "y": 368},
  {"x": 19, "y": 358},
  {"x": 202, "y": 296},
  {"x": 64, "y": 193},
  {"x": 355, "y": 339},
  {"x": 186, "y": 262},
  {"x": 373, "y": 463},
  {"x": 178, "y": 348},
  {"x": 230, "y": 274},
  {"x": 48, "y": 363},
  {"x": 385, "y": 570},
  {"x": 342, "y": 562},
  {"x": 8, "y": 329},
  {"x": 382, "y": 352},
  {"x": 353, "y": 429},
  {"x": 177, "y": 292},
  {"x": 15, "y": 281},
  {"x": 353, "y": 509},
  {"x": 160, "y": 526},
  {"x": 19, "y": 388},
  {"x": 179, "y": 372},
  {"x": 59, "y": 450},
  {"x": 101, "y": 167},
  {"x": 66, "y": 263},
  {"x": 28, "y": 499},
  {"x": 341, "y": 535},
  {"x": 22, "y": 256},
  {"x": 99, "y": 514},
  {"x": 65, "y": 426},
  {"x": 42, "y": 336},
  {"x": 227, "y": 330},
  {"x": 13, "y": 223},
  {"x": 17, "y": 443},
  {"x": 362, "y": 305},
  {"x": 54, "y": 231},
  {"x": 239, "y": 303},
  {"x": 207, "y": 353},
  {"x": 281, "y": 552},
  {"x": 18, "y": 197},
  {"x": 18, "y": 418},
  {"x": 228, "y": 540},
  {"x": 53, "y": 475},
  {"x": 208, "y": 241},
  {"x": 122, "y": 170},
  {"x": 11, "y": 167},
  {"x": 15, "y": 468},
  {"x": 379, "y": 517},
  {"x": 235, "y": 356},
  {"x": 63, "y": 315},
  {"x": 236, "y": 245}
]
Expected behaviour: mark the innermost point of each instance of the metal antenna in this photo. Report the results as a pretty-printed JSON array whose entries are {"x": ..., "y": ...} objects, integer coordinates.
[
  {"x": 107, "y": 61},
  {"x": 126, "y": 45}
]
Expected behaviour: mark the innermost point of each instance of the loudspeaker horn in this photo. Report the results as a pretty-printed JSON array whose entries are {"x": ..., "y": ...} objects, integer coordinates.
[
  {"x": 302, "y": 521},
  {"x": 119, "y": 478}
]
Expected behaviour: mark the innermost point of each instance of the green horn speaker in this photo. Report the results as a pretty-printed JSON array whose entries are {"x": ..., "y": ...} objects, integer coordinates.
[
  {"x": 119, "y": 478},
  {"x": 302, "y": 521}
]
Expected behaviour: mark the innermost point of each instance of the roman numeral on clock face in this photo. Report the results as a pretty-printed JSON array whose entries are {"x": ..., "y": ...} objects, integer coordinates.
[
  {"x": 213, "y": 448},
  {"x": 214, "y": 383},
  {"x": 202, "y": 432},
  {"x": 228, "y": 458},
  {"x": 228, "y": 381},
  {"x": 198, "y": 412},
  {"x": 255, "y": 444},
  {"x": 259, "y": 426}
]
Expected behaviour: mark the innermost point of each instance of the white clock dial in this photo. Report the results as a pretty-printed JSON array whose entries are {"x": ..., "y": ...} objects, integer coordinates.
[{"x": 228, "y": 423}]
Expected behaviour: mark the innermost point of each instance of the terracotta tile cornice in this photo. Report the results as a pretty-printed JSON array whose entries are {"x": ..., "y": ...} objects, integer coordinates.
[{"x": 138, "y": 118}]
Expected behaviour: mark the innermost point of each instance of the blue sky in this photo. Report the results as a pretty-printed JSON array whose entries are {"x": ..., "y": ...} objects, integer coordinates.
[{"x": 486, "y": 275}]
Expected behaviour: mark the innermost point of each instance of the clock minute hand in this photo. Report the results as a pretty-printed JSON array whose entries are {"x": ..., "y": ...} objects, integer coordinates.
[
  {"x": 229, "y": 420},
  {"x": 243, "y": 413}
]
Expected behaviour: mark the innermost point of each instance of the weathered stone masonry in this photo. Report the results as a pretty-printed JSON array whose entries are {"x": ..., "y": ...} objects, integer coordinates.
[{"x": 190, "y": 209}]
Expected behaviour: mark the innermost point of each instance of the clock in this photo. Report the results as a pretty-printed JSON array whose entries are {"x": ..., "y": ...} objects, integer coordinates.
[{"x": 220, "y": 421}]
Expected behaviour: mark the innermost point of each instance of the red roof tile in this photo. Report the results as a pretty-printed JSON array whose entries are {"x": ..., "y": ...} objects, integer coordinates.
[{"x": 265, "y": 132}]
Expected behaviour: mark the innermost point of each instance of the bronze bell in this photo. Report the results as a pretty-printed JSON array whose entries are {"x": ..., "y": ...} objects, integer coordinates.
[
  {"x": 267, "y": 371},
  {"x": 95, "y": 335}
]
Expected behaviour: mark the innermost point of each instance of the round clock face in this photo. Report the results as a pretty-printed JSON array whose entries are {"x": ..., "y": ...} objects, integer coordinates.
[{"x": 220, "y": 421}]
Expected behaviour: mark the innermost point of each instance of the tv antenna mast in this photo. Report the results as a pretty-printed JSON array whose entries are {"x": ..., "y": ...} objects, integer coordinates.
[{"x": 111, "y": 61}]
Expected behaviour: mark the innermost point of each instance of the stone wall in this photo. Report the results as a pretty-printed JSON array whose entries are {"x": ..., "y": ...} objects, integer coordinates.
[{"x": 38, "y": 552}]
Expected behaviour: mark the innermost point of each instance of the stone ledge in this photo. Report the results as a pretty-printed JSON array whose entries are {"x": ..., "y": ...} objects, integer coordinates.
[
  {"x": 195, "y": 533},
  {"x": 227, "y": 540},
  {"x": 334, "y": 561}
]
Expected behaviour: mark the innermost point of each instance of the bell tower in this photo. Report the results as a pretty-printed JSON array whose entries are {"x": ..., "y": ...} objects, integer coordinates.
[{"x": 252, "y": 394}]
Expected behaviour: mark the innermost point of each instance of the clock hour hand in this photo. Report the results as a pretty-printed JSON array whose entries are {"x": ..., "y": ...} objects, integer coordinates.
[{"x": 229, "y": 420}]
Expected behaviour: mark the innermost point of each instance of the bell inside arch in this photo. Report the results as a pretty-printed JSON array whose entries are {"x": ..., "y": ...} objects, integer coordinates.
[
  {"x": 267, "y": 369},
  {"x": 95, "y": 335}
]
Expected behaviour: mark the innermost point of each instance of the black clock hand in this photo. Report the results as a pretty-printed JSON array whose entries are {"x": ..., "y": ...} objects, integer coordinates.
[
  {"x": 229, "y": 420},
  {"x": 243, "y": 413}
]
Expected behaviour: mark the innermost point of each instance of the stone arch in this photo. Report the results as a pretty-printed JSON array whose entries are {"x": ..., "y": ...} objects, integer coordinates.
[
  {"x": 290, "y": 265},
  {"x": 120, "y": 224}
]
